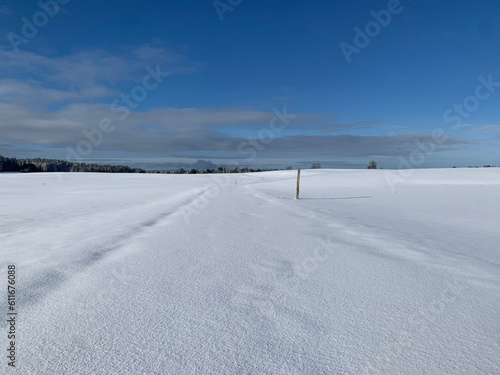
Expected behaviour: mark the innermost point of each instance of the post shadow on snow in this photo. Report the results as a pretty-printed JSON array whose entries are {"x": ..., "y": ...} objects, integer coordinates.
[
  {"x": 363, "y": 197},
  {"x": 366, "y": 197}
]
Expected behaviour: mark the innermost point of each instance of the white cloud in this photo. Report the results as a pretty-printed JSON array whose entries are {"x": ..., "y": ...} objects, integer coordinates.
[
  {"x": 28, "y": 76},
  {"x": 49, "y": 101},
  {"x": 178, "y": 131},
  {"x": 492, "y": 129}
]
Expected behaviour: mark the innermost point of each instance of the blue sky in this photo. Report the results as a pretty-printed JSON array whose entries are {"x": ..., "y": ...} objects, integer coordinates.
[{"x": 234, "y": 65}]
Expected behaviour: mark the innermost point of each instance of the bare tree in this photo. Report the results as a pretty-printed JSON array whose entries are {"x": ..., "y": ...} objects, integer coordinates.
[
  {"x": 372, "y": 165},
  {"x": 316, "y": 166}
]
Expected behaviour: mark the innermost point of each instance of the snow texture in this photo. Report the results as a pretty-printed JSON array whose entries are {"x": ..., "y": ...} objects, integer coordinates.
[{"x": 370, "y": 272}]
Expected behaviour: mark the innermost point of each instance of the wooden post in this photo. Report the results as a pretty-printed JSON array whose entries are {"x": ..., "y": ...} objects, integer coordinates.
[{"x": 298, "y": 183}]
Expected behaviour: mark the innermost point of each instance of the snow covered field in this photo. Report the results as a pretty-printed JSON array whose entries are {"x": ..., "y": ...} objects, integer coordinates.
[{"x": 183, "y": 274}]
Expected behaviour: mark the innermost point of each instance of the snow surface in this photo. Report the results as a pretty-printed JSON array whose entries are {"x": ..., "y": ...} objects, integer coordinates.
[{"x": 370, "y": 272}]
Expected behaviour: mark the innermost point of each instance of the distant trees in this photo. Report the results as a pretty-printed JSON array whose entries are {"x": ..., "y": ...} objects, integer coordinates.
[
  {"x": 372, "y": 165},
  {"x": 51, "y": 165},
  {"x": 289, "y": 168},
  {"x": 29, "y": 168}
]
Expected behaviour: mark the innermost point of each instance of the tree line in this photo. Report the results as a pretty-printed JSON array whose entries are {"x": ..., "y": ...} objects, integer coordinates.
[{"x": 53, "y": 165}]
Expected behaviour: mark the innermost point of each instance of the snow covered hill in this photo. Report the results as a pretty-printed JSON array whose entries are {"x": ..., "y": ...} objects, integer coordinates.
[{"x": 368, "y": 273}]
